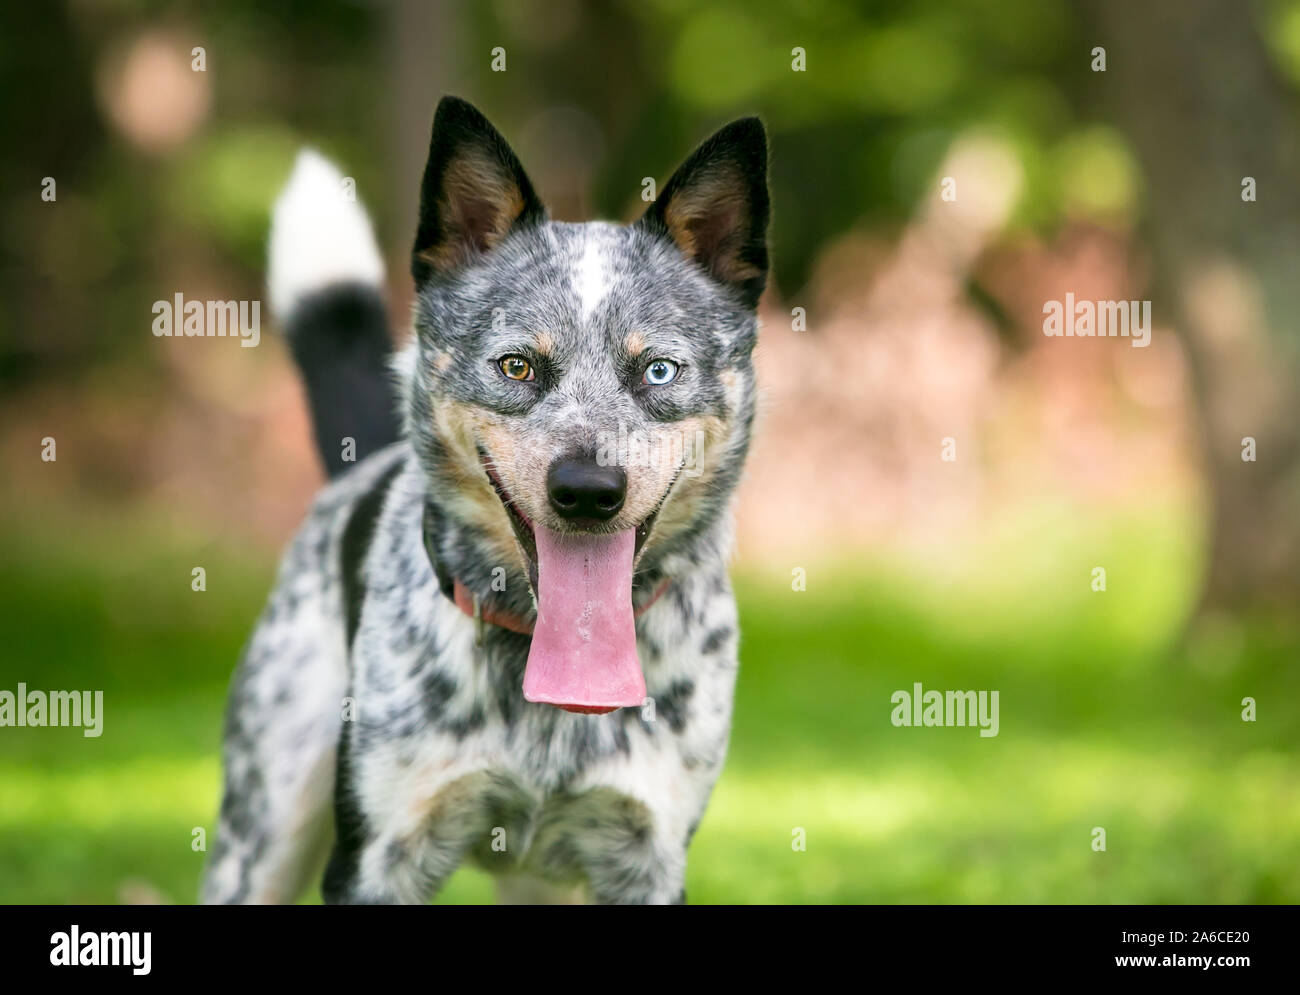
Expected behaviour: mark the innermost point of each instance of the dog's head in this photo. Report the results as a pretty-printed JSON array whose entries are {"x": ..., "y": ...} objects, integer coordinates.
[{"x": 583, "y": 392}]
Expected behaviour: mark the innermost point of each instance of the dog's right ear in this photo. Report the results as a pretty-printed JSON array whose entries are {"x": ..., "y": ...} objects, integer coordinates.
[{"x": 473, "y": 194}]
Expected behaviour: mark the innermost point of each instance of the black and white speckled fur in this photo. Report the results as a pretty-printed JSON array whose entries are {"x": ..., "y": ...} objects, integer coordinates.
[{"x": 440, "y": 759}]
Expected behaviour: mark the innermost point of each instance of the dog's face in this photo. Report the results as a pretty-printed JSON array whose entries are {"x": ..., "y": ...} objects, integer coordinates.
[{"x": 584, "y": 390}]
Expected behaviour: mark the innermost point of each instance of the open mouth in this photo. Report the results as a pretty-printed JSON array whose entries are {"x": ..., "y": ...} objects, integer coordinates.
[
  {"x": 526, "y": 531},
  {"x": 583, "y": 656}
]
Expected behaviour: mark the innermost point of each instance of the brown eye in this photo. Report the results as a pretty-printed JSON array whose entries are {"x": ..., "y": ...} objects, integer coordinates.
[{"x": 516, "y": 367}]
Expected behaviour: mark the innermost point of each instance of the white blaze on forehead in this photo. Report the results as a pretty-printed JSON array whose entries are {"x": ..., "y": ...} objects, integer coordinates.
[{"x": 591, "y": 275}]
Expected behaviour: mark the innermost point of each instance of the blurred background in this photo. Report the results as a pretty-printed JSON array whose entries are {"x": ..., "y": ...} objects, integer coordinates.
[{"x": 896, "y": 320}]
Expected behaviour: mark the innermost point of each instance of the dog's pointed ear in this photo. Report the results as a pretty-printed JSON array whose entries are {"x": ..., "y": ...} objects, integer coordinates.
[
  {"x": 473, "y": 194},
  {"x": 715, "y": 207}
]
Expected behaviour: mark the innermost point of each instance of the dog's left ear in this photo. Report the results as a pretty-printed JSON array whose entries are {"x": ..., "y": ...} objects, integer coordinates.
[
  {"x": 474, "y": 191},
  {"x": 715, "y": 208}
]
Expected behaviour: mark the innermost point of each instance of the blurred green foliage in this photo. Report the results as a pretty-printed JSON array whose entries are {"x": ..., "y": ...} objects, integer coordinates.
[{"x": 857, "y": 137}]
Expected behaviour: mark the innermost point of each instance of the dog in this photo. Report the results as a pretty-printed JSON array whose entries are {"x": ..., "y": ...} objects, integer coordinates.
[{"x": 497, "y": 639}]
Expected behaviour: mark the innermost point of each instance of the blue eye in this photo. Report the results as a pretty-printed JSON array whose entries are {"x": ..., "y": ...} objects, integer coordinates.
[{"x": 660, "y": 372}]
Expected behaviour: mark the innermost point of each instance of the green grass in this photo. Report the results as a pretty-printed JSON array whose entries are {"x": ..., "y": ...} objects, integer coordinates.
[{"x": 1101, "y": 725}]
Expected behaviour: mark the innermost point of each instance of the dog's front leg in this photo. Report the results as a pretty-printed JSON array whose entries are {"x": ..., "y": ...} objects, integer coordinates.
[
  {"x": 426, "y": 836},
  {"x": 391, "y": 872},
  {"x": 623, "y": 881},
  {"x": 356, "y": 873},
  {"x": 367, "y": 867},
  {"x": 615, "y": 844}
]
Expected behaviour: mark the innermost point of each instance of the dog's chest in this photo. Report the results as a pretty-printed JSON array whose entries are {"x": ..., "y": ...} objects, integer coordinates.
[
  {"x": 536, "y": 803},
  {"x": 445, "y": 749}
]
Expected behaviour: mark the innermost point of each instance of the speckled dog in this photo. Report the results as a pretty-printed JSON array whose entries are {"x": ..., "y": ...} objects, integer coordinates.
[{"x": 505, "y": 635}]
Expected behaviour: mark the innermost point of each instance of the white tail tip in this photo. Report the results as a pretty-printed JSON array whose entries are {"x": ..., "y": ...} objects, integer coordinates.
[{"x": 320, "y": 235}]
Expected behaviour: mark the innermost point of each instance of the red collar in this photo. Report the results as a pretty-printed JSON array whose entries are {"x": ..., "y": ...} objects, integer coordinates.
[{"x": 470, "y": 605}]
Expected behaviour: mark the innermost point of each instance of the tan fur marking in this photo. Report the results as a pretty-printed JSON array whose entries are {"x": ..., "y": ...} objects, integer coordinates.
[
  {"x": 682, "y": 508},
  {"x": 711, "y": 207},
  {"x": 473, "y": 180},
  {"x": 462, "y": 427}
]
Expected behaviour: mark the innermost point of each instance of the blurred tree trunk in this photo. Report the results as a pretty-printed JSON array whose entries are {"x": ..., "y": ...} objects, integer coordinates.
[
  {"x": 424, "y": 43},
  {"x": 1192, "y": 85}
]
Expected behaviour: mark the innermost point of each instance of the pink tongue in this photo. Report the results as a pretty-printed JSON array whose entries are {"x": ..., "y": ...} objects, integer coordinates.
[{"x": 583, "y": 657}]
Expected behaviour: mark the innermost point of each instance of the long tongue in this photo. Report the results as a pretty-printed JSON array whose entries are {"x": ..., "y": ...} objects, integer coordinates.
[{"x": 583, "y": 657}]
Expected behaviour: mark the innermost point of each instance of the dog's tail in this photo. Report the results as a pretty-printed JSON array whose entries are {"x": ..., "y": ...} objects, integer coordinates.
[{"x": 326, "y": 280}]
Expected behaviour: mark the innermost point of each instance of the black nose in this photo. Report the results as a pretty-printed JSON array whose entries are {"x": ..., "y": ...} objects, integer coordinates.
[{"x": 583, "y": 489}]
